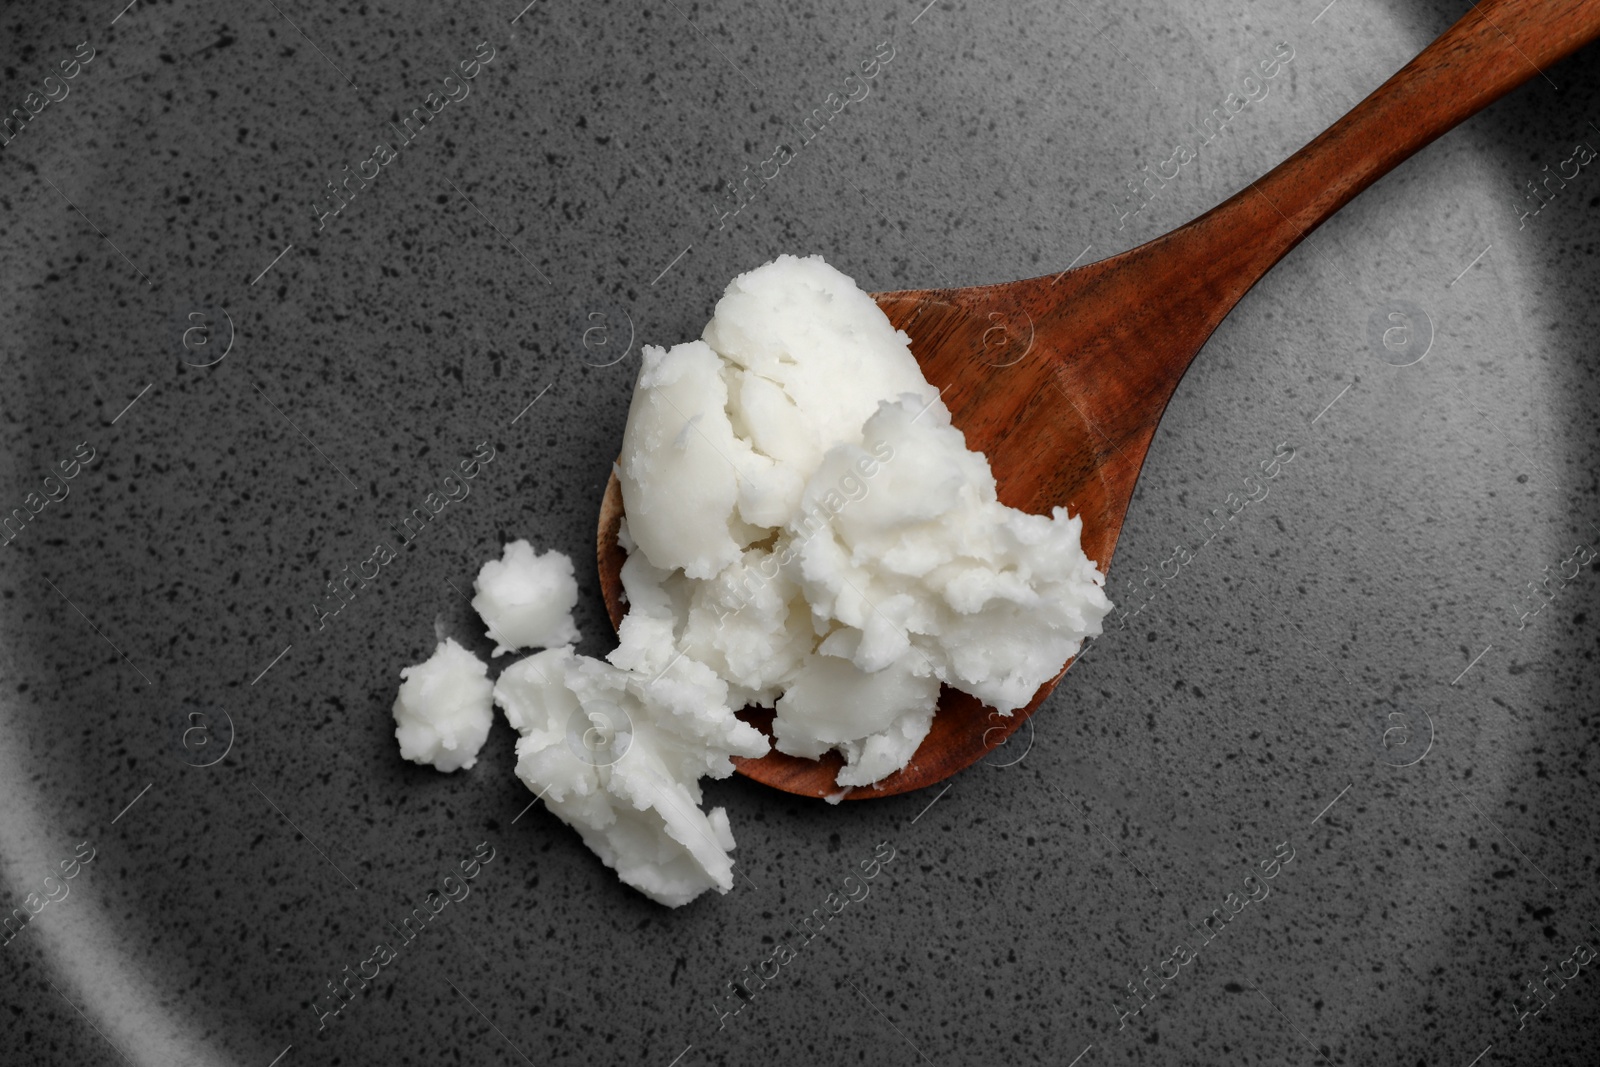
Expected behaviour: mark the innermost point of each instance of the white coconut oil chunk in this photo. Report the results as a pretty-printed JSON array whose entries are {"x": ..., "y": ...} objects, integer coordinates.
[
  {"x": 618, "y": 755},
  {"x": 804, "y": 520},
  {"x": 444, "y": 708},
  {"x": 526, "y": 599}
]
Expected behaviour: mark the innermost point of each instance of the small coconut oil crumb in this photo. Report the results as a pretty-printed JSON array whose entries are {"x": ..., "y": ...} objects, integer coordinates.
[
  {"x": 444, "y": 708},
  {"x": 526, "y": 600}
]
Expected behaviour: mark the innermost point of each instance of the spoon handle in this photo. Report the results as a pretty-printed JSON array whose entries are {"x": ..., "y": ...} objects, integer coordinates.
[{"x": 1495, "y": 47}]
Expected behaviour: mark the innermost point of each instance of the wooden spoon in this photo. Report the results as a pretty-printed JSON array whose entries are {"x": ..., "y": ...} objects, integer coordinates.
[{"x": 1060, "y": 380}]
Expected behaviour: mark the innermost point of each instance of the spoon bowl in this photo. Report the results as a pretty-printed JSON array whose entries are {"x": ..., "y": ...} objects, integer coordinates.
[{"x": 1061, "y": 380}]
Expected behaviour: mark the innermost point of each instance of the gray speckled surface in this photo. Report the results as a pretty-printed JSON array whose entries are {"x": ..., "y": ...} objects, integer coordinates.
[{"x": 1240, "y": 704}]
